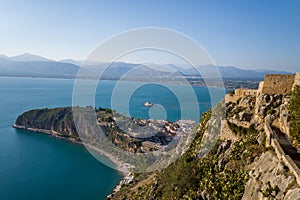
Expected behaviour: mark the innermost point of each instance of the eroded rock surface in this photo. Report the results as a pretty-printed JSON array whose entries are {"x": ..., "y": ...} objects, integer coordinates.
[{"x": 270, "y": 179}]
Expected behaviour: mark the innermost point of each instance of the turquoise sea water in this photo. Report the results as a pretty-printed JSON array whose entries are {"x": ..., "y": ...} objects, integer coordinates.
[{"x": 36, "y": 166}]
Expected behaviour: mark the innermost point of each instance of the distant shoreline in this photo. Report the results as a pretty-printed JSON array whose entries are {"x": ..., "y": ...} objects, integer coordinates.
[{"x": 137, "y": 81}]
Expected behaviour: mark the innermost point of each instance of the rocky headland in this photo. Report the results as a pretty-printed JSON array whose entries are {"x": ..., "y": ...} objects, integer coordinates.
[{"x": 130, "y": 134}]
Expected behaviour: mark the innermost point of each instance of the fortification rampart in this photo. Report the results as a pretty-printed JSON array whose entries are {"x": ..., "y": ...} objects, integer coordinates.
[
  {"x": 239, "y": 93},
  {"x": 278, "y": 84},
  {"x": 272, "y": 84}
]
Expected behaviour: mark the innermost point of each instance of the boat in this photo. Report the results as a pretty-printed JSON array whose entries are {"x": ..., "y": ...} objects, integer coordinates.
[{"x": 148, "y": 104}]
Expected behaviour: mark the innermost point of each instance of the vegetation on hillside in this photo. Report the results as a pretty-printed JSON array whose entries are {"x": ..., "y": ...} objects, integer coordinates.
[
  {"x": 294, "y": 109},
  {"x": 59, "y": 120},
  {"x": 220, "y": 175}
]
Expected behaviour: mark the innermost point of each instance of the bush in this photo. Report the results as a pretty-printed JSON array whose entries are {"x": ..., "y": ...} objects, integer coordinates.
[{"x": 231, "y": 92}]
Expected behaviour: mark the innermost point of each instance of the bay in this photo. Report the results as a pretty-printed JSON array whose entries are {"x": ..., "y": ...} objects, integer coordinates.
[{"x": 36, "y": 166}]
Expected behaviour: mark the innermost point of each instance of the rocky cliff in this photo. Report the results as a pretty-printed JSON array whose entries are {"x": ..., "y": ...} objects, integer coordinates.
[{"x": 55, "y": 121}]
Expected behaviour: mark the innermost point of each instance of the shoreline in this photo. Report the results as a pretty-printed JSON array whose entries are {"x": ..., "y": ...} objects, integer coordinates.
[
  {"x": 138, "y": 81},
  {"x": 120, "y": 167}
]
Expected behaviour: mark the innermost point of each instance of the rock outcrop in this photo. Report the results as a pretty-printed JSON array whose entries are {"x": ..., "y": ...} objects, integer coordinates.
[{"x": 270, "y": 179}]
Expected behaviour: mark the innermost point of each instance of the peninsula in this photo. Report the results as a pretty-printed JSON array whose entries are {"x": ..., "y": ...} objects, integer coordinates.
[{"x": 122, "y": 131}]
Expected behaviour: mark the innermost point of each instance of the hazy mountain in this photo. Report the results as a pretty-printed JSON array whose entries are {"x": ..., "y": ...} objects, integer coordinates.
[
  {"x": 71, "y": 61},
  {"x": 38, "y": 69},
  {"x": 37, "y": 66},
  {"x": 229, "y": 72},
  {"x": 108, "y": 71},
  {"x": 27, "y": 57},
  {"x": 4, "y": 60},
  {"x": 4, "y": 56},
  {"x": 272, "y": 72}
]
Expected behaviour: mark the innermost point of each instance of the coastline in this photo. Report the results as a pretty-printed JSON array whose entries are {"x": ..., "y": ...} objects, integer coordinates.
[
  {"x": 121, "y": 167},
  {"x": 137, "y": 81}
]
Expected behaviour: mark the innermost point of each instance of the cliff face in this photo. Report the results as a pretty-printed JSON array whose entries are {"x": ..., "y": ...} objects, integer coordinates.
[{"x": 57, "y": 120}]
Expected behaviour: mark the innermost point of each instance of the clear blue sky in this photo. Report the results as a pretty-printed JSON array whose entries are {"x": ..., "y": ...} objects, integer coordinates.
[{"x": 260, "y": 34}]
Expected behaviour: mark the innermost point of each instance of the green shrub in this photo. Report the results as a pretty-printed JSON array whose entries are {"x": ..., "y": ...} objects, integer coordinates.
[
  {"x": 231, "y": 92},
  {"x": 190, "y": 175}
]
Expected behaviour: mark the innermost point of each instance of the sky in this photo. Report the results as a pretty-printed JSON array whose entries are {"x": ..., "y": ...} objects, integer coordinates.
[{"x": 253, "y": 34}]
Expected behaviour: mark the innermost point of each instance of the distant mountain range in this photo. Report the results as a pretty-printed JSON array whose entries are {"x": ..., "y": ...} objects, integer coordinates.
[
  {"x": 231, "y": 72},
  {"x": 30, "y": 65},
  {"x": 35, "y": 66}
]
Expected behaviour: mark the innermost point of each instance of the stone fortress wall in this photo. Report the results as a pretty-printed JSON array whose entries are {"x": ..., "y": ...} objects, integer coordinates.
[
  {"x": 239, "y": 93},
  {"x": 273, "y": 84},
  {"x": 278, "y": 84}
]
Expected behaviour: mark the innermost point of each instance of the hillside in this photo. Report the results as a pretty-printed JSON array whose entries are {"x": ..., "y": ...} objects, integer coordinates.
[
  {"x": 215, "y": 176},
  {"x": 252, "y": 159},
  {"x": 59, "y": 120},
  {"x": 119, "y": 129}
]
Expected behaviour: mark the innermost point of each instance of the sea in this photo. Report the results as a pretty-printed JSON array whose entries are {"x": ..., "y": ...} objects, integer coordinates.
[{"x": 37, "y": 166}]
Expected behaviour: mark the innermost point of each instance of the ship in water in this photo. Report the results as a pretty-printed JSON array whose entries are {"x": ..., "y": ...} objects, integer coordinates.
[{"x": 148, "y": 104}]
